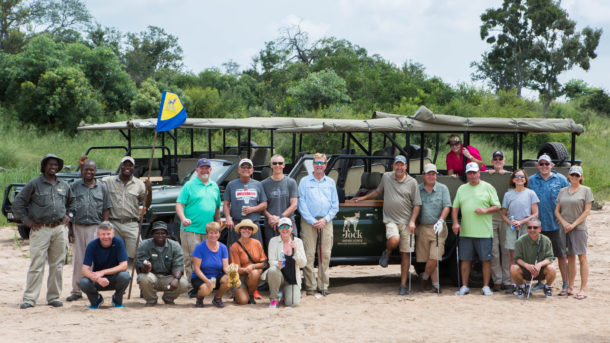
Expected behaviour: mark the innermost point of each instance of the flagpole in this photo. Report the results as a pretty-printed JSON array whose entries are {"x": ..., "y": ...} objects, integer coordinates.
[{"x": 133, "y": 267}]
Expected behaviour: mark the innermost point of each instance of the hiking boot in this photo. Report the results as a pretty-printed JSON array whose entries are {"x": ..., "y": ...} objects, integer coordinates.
[
  {"x": 74, "y": 297},
  {"x": 251, "y": 301},
  {"x": 487, "y": 291},
  {"x": 199, "y": 302},
  {"x": 520, "y": 292},
  {"x": 548, "y": 292},
  {"x": 309, "y": 292},
  {"x": 384, "y": 260},
  {"x": 403, "y": 290},
  {"x": 168, "y": 301},
  {"x": 56, "y": 303},
  {"x": 218, "y": 302},
  {"x": 25, "y": 305},
  {"x": 512, "y": 289},
  {"x": 463, "y": 291},
  {"x": 425, "y": 284},
  {"x": 274, "y": 304}
]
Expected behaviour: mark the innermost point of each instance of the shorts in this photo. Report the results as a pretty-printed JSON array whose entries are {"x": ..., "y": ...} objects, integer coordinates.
[
  {"x": 558, "y": 240},
  {"x": 577, "y": 242},
  {"x": 425, "y": 247},
  {"x": 197, "y": 282},
  {"x": 528, "y": 276},
  {"x": 469, "y": 245},
  {"x": 511, "y": 236},
  {"x": 402, "y": 231}
]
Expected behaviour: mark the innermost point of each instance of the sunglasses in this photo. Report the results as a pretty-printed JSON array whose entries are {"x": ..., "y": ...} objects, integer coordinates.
[
  {"x": 285, "y": 227},
  {"x": 454, "y": 144},
  {"x": 319, "y": 163},
  {"x": 575, "y": 175},
  {"x": 519, "y": 176},
  {"x": 246, "y": 167},
  {"x": 498, "y": 159},
  {"x": 533, "y": 227},
  {"x": 246, "y": 228},
  {"x": 277, "y": 163},
  {"x": 544, "y": 164}
]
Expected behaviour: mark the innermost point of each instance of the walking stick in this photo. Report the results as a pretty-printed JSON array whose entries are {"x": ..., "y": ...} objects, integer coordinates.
[
  {"x": 457, "y": 258},
  {"x": 438, "y": 278},
  {"x": 529, "y": 289},
  {"x": 321, "y": 262},
  {"x": 133, "y": 267},
  {"x": 410, "y": 253}
]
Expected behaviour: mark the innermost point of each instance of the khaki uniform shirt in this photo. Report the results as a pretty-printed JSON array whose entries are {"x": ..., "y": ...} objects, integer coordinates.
[
  {"x": 43, "y": 202},
  {"x": 165, "y": 260},
  {"x": 126, "y": 198},
  {"x": 90, "y": 202}
]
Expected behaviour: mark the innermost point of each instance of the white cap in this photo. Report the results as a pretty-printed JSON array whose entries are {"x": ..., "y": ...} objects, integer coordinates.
[
  {"x": 472, "y": 167},
  {"x": 246, "y": 160},
  {"x": 284, "y": 221},
  {"x": 430, "y": 167},
  {"x": 544, "y": 157},
  {"x": 128, "y": 158}
]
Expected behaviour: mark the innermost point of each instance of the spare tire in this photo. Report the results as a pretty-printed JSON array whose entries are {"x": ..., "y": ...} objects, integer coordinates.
[{"x": 556, "y": 151}]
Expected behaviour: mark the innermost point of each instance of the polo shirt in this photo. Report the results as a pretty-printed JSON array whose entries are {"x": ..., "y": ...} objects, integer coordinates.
[
  {"x": 200, "y": 203},
  {"x": 433, "y": 203},
  {"x": 399, "y": 197}
]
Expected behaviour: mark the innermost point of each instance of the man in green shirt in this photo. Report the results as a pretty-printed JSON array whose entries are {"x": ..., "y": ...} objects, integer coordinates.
[
  {"x": 477, "y": 201},
  {"x": 534, "y": 258}
]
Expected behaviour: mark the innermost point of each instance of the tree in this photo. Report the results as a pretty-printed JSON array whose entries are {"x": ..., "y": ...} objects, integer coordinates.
[
  {"x": 56, "y": 16},
  {"x": 533, "y": 42},
  {"x": 320, "y": 89},
  {"x": 149, "y": 51},
  {"x": 104, "y": 36},
  {"x": 13, "y": 14}
]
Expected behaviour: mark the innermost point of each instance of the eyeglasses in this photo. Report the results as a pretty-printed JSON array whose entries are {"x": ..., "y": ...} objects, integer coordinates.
[
  {"x": 277, "y": 163},
  {"x": 319, "y": 163},
  {"x": 533, "y": 227},
  {"x": 246, "y": 166},
  {"x": 519, "y": 176},
  {"x": 498, "y": 159},
  {"x": 575, "y": 175},
  {"x": 544, "y": 164},
  {"x": 285, "y": 227}
]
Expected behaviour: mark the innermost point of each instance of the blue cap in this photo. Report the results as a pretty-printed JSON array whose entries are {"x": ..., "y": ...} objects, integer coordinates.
[
  {"x": 400, "y": 158},
  {"x": 204, "y": 162}
]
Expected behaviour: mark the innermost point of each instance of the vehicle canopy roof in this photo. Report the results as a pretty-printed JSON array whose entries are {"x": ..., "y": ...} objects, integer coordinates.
[{"x": 422, "y": 121}]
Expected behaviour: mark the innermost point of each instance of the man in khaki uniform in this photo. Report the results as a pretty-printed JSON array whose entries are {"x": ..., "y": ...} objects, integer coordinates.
[
  {"x": 401, "y": 205},
  {"x": 127, "y": 194},
  {"x": 43, "y": 205}
]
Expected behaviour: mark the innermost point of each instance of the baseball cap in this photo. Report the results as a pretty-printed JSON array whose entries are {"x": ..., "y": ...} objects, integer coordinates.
[
  {"x": 285, "y": 221},
  {"x": 400, "y": 158},
  {"x": 454, "y": 139},
  {"x": 128, "y": 158},
  {"x": 497, "y": 153},
  {"x": 204, "y": 162},
  {"x": 159, "y": 225},
  {"x": 472, "y": 167},
  {"x": 544, "y": 157},
  {"x": 246, "y": 160},
  {"x": 430, "y": 167},
  {"x": 575, "y": 170}
]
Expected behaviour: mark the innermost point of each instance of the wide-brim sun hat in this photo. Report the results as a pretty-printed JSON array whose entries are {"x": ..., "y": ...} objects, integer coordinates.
[{"x": 246, "y": 223}]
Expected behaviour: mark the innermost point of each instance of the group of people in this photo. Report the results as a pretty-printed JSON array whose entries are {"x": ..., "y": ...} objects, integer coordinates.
[{"x": 414, "y": 217}]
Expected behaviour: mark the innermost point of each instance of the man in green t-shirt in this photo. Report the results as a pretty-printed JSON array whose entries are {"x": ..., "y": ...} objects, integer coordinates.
[
  {"x": 196, "y": 206},
  {"x": 477, "y": 201}
]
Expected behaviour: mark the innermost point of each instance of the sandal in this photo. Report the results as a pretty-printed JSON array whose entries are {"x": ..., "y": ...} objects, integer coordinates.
[{"x": 580, "y": 296}]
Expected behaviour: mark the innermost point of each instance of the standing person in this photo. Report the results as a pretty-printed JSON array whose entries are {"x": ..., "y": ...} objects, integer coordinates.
[
  {"x": 282, "y": 199},
  {"x": 160, "y": 264},
  {"x": 318, "y": 205},
  {"x": 500, "y": 258},
  {"x": 573, "y": 207},
  {"x": 432, "y": 230},
  {"x": 477, "y": 200},
  {"x": 286, "y": 256},
  {"x": 197, "y": 205},
  {"x": 533, "y": 258},
  {"x": 105, "y": 267},
  {"x": 127, "y": 194},
  {"x": 521, "y": 204},
  {"x": 91, "y": 207},
  {"x": 43, "y": 205},
  {"x": 401, "y": 205},
  {"x": 248, "y": 254},
  {"x": 244, "y": 198},
  {"x": 547, "y": 184},
  {"x": 210, "y": 267},
  {"x": 455, "y": 157}
]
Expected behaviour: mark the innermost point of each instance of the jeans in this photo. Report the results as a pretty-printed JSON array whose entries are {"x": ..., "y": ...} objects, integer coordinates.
[{"x": 118, "y": 283}]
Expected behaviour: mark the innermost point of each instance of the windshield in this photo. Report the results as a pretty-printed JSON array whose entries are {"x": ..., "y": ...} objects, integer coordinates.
[{"x": 219, "y": 168}]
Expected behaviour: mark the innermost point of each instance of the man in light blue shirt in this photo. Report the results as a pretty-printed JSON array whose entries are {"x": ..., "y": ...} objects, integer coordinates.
[{"x": 318, "y": 205}]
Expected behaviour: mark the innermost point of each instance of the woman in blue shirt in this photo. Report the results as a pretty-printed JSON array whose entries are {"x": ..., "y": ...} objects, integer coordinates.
[{"x": 210, "y": 264}]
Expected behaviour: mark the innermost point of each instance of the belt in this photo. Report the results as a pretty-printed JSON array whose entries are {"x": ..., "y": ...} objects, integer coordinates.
[
  {"x": 125, "y": 220},
  {"x": 53, "y": 224}
]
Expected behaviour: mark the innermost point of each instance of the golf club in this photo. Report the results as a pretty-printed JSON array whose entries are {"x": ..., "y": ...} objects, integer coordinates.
[
  {"x": 438, "y": 278},
  {"x": 529, "y": 288},
  {"x": 320, "y": 263},
  {"x": 457, "y": 258},
  {"x": 409, "y": 269}
]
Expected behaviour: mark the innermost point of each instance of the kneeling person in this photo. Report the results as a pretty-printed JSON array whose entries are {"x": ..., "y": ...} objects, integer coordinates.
[
  {"x": 105, "y": 267},
  {"x": 286, "y": 256},
  {"x": 160, "y": 264},
  {"x": 534, "y": 259}
]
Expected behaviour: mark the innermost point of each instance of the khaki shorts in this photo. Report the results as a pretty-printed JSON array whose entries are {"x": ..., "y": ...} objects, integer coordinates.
[
  {"x": 402, "y": 231},
  {"x": 426, "y": 242}
]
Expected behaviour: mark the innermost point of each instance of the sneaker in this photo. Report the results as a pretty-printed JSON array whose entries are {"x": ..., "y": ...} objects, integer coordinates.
[
  {"x": 512, "y": 289},
  {"x": 384, "y": 260},
  {"x": 25, "y": 305},
  {"x": 116, "y": 304},
  {"x": 463, "y": 291},
  {"x": 274, "y": 304},
  {"x": 257, "y": 295},
  {"x": 192, "y": 293},
  {"x": 280, "y": 294},
  {"x": 56, "y": 303},
  {"x": 520, "y": 292},
  {"x": 403, "y": 290},
  {"x": 74, "y": 297},
  {"x": 199, "y": 302},
  {"x": 487, "y": 291},
  {"x": 425, "y": 284},
  {"x": 168, "y": 301},
  {"x": 100, "y": 301},
  {"x": 538, "y": 286},
  {"x": 548, "y": 292},
  {"x": 218, "y": 302},
  {"x": 309, "y": 292},
  {"x": 252, "y": 301}
]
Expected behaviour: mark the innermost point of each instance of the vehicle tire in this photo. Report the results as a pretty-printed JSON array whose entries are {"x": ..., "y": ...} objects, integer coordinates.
[
  {"x": 556, "y": 151},
  {"x": 24, "y": 231}
]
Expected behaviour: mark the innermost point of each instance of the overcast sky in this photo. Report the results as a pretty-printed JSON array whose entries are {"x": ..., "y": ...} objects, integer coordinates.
[{"x": 442, "y": 35}]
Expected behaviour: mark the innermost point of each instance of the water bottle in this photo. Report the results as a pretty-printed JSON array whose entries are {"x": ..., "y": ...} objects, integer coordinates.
[
  {"x": 282, "y": 259},
  {"x": 511, "y": 218}
]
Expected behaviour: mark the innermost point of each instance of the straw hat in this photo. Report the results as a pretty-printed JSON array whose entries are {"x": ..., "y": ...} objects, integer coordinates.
[{"x": 244, "y": 223}]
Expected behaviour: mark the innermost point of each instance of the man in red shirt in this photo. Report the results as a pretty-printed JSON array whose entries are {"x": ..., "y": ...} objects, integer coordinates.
[{"x": 454, "y": 160}]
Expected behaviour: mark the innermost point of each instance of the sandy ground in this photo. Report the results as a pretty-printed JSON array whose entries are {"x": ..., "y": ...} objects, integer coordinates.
[{"x": 363, "y": 307}]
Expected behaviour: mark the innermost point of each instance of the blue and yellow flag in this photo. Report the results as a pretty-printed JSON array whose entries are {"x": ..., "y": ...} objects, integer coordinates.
[{"x": 171, "y": 112}]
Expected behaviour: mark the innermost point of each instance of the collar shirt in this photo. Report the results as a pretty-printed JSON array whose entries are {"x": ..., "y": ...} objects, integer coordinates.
[
  {"x": 526, "y": 249},
  {"x": 90, "y": 202},
  {"x": 433, "y": 203},
  {"x": 318, "y": 199},
  {"x": 125, "y": 197},
  {"x": 165, "y": 260},
  {"x": 43, "y": 202},
  {"x": 547, "y": 191}
]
